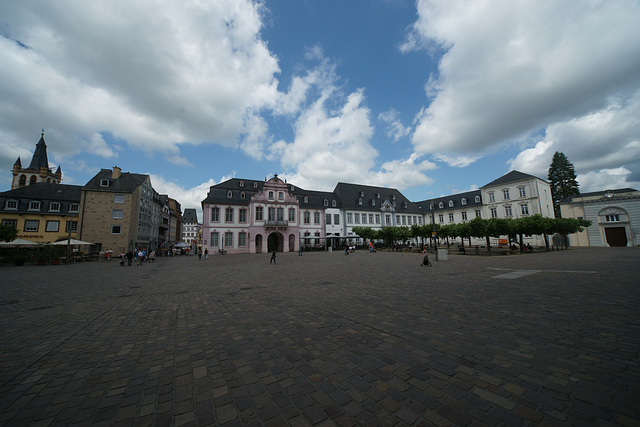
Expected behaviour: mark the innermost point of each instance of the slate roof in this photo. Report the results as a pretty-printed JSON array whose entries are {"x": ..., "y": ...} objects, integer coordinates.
[
  {"x": 350, "y": 195},
  {"x": 470, "y": 197},
  {"x": 40, "y": 159},
  {"x": 599, "y": 193},
  {"x": 43, "y": 192},
  {"x": 190, "y": 216},
  {"x": 126, "y": 183},
  {"x": 513, "y": 176}
]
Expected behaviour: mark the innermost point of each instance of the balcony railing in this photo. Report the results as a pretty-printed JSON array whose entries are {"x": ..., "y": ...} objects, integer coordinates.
[{"x": 273, "y": 223}]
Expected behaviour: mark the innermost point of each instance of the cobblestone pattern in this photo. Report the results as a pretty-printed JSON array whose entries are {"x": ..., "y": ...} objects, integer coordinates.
[{"x": 324, "y": 339}]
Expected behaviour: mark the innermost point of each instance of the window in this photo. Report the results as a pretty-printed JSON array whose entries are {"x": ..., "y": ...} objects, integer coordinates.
[
  {"x": 478, "y": 213},
  {"x": 371, "y": 219},
  {"x": 116, "y": 214},
  {"x": 259, "y": 212},
  {"x": 228, "y": 239},
  {"x": 356, "y": 218},
  {"x": 241, "y": 183},
  {"x": 306, "y": 199},
  {"x": 377, "y": 218},
  {"x": 360, "y": 201},
  {"x": 333, "y": 203},
  {"x": 492, "y": 197},
  {"x": 292, "y": 215},
  {"x": 242, "y": 239},
  {"x": 118, "y": 198},
  {"x": 336, "y": 219},
  {"x": 441, "y": 218},
  {"x": 477, "y": 199},
  {"x": 71, "y": 226},
  {"x": 307, "y": 218},
  {"x": 349, "y": 218},
  {"x": 316, "y": 217},
  {"x": 364, "y": 218},
  {"x": 74, "y": 207},
  {"x": 31, "y": 225},
  {"x": 505, "y": 194},
  {"x": 53, "y": 226},
  {"x": 214, "y": 239},
  {"x": 441, "y": 205},
  {"x": 450, "y": 217},
  {"x": 280, "y": 212},
  {"x": 104, "y": 183},
  {"x": 54, "y": 207},
  {"x": 34, "y": 206},
  {"x": 280, "y": 195},
  {"x": 270, "y": 195},
  {"x": 228, "y": 214},
  {"x": 373, "y": 202},
  {"x": 10, "y": 223},
  {"x": 524, "y": 209},
  {"x": 326, "y": 202},
  {"x": 12, "y": 204},
  {"x": 507, "y": 211},
  {"x": 33, "y": 179},
  {"x": 229, "y": 194},
  {"x": 243, "y": 195},
  {"x": 243, "y": 215},
  {"x": 215, "y": 214},
  {"x": 388, "y": 219},
  {"x": 522, "y": 192},
  {"x": 612, "y": 218},
  {"x": 450, "y": 203},
  {"x": 255, "y": 185},
  {"x": 463, "y": 202},
  {"x": 464, "y": 216},
  {"x": 272, "y": 214},
  {"x": 116, "y": 229},
  {"x": 327, "y": 219},
  {"x": 22, "y": 181},
  {"x": 494, "y": 213}
]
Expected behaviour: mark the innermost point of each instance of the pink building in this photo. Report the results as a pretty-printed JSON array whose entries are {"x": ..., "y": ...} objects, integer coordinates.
[{"x": 247, "y": 216}]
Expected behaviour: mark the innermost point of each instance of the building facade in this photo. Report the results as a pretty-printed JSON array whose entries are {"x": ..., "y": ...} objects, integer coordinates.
[
  {"x": 42, "y": 212},
  {"x": 614, "y": 216},
  {"x": 120, "y": 211},
  {"x": 191, "y": 228},
  {"x": 37, "y": 171}
]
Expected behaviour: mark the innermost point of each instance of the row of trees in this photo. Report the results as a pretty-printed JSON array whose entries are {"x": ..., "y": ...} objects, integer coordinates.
[{"x": 479, "y": 228}]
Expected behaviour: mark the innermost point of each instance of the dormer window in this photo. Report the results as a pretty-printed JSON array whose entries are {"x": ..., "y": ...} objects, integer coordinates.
[
  {"x": 243, "y": 195},
  {"x": 54, "y": 207},
  {"x": 362, "y": 194},
  {"x": 326, "y": 202},
  {"x": 450, "y": 203},
  {"x": 104, "y": 183},
  {"x": 404, "y": 205},
  {"x": 334, "y": 203},
  {"x": 441, "y": 205},
  {"x": 74, "y": 207},
  {"x": 306, "y": 199},
  {"x": 463, "y": 201},
  {"x": 378, "y": 195},
  {"x": 229, "y": 194},
  {"x": 477, "y": 199},
  {"x": 255, "y": 185},
  {"x": 393, "y": 197},
  {"x": 34, "y": 206},
  {"x": 360, "y": 202},
  {"x": 373, "y": 202},
  {"x": 241, "y": 183},
  {"x": 12, "y": 204}
]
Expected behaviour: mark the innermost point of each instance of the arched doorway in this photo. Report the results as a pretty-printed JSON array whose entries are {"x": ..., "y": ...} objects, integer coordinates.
[
  {"x": 274, "y": 242},
  {"x": 292, "y": 242},
  {"x": 258, "y": 243}
]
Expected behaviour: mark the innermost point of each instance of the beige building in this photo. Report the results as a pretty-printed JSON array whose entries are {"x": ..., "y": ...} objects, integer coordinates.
[
  {"x": 120, "y": 211},
  {"x": 614, "y": 216}
]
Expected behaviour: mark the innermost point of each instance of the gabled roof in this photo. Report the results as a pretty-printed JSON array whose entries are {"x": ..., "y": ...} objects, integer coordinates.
[
  {"x": 513, "y": 176},
  {"x": 40, "y": 159},
  {"x": 126, "y": 183},
  {"x": 190, "y": 216},
  {"x": 457, "y": 199}
]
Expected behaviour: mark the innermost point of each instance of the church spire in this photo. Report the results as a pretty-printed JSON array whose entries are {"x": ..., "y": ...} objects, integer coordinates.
[{"x": 40, "y": 159}]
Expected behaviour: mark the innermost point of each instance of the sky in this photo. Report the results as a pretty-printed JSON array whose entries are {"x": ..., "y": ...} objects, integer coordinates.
[{"x": 432, "y": 97}]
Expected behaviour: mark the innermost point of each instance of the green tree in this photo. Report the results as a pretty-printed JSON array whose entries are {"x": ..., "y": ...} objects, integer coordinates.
[
  {"x": 367, "y": 233},
  {"x": 8, "y": 233},
  {"x": 562, "y": 179}
]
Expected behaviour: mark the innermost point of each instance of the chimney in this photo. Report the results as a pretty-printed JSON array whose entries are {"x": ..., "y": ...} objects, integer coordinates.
[{"x": 116, "y": 172}]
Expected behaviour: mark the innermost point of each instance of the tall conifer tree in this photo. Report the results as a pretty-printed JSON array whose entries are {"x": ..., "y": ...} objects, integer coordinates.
[{"x": 562, "y": 179}]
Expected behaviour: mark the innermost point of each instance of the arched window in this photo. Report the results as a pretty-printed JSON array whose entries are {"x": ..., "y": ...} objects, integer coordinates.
[
  {"x": 229, "y": 194},
  {"x": 241, "y": 183},
  {"x": 441, "y": 205},
  {"x": 464, "y": 201},
  {"x": 22, "y": 181},
  {"x": 306, "y": 199},
  {"x": 326, "y": 202},
  {"x": 450, "y": 203},
  {"x": 477, "y": 199},
  {"x": 33, "y": 179},
  {"x": 333, "y": 203},
  {"x": 242, "y": 195}
]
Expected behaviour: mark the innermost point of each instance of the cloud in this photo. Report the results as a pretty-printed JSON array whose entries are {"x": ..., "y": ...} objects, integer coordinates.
[
  {"x": 191, "y": 72},
  {"x": 187, "y": 197},
  {"x": 395, "y": 129},
  {"x": 512, "y": 68},
  {"x": 606, "y": 179}
]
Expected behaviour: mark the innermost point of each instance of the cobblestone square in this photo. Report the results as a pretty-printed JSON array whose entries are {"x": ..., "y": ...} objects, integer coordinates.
[{"x": 324, "y": 339}]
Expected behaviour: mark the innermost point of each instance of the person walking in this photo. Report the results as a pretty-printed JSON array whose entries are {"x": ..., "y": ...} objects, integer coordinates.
[
  {"x": 425, "y": 258},
  {"x": 206, "y": 253},
  {"x": 300, "y": 250},
  {"x": 273, "y": 257}
]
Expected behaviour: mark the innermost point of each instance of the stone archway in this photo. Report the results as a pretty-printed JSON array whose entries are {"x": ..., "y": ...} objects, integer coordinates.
[
  {"x": 275, "y": 242},
  {"x": 292, "y": 242}
]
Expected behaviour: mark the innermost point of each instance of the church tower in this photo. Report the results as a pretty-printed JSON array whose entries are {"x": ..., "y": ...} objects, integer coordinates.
[{"x": 38, "y": 170}]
